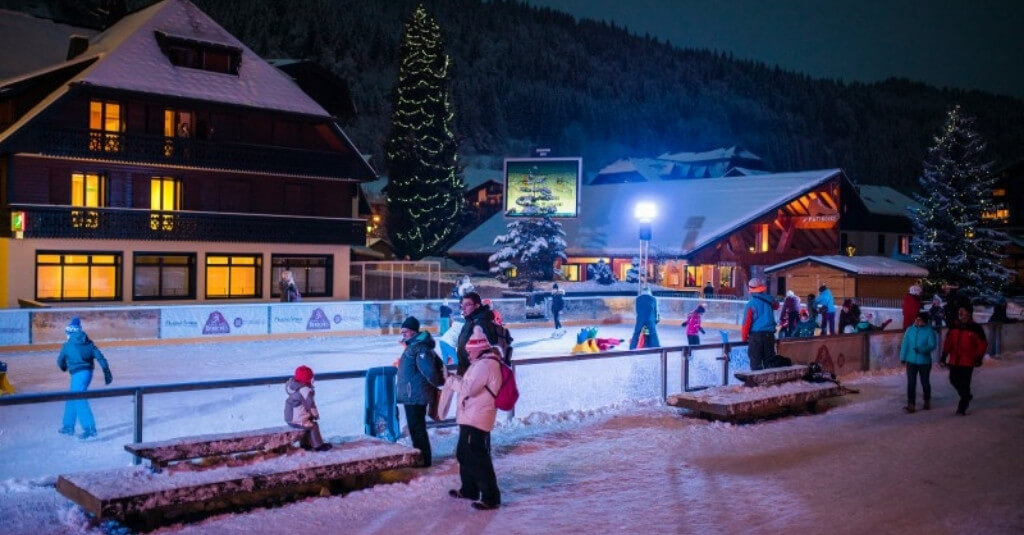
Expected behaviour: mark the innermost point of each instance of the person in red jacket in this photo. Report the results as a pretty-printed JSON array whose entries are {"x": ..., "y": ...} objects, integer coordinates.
[
  {"x": 963, "y": 351},
  {"x": 911, "y": 306}
]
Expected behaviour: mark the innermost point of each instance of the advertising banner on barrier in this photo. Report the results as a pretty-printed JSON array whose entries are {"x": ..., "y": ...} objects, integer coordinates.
[
  {"x": 321, "y": 317},
  {"x": 197, "y": 322},
  {"x": 99, "y": 324},
  {"x": 14, "y": 328}
]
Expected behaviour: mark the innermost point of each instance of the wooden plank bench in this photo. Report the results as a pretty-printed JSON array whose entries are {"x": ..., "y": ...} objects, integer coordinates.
[
  {"x": 745, "y": 403},
  {"x": 163, "y": 452},
  {"x": 138, "y": 494},
  {"x": 772, "y": 376}
]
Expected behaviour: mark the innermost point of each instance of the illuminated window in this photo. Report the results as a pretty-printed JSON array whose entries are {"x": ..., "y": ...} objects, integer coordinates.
[
  {"x": 233, "y": 276},
  {"x": 78, "y": 276},
  {"x": 571, "y": 272},
  {"x": 313, "y": 274},
  {"x": 164, "y": 276},
  {"x": 106, "y": 125},
  {"x": 88, "y": 190},
  {"x": 164, "y": 193},
  {"x": 177, "y": 124},
  {"x": 904, "y": 245},
  {"x": 999, "y": 214},
  {"x": 725, "y": 274},
  {"x": 999, "y": 192},
  {"x": 693, "y": 276}
]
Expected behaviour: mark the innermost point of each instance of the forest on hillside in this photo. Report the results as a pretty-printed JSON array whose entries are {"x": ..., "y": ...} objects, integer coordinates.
[{"x": 525, "y": 77}]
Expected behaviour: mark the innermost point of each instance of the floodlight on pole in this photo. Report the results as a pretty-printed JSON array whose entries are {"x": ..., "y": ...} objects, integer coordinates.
[{"x": 644, "y": 212}]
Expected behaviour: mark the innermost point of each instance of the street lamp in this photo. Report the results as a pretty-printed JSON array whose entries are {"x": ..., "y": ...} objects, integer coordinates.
[{"x": 645, "y": 212}]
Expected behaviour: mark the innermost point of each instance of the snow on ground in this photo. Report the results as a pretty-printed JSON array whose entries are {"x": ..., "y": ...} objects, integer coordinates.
[{"x": 628, "y": 466}]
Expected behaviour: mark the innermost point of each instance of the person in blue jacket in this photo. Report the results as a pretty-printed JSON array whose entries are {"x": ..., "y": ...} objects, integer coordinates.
[
  {"x": 759, "y": 324},
  {"x": 828, "y": 303},
  {"x": 646, "y": 316},
  {"x": 916, "y": 353},
  {"x": 78, "y": 357},
  {"x": 419, "y": 377}
]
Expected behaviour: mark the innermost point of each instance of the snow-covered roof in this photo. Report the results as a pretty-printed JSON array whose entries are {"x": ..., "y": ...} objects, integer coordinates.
[
  {"x": 860, "y": 265},
  {"x": 692, "y": 213},
  {"x": 130, "y": 47},
  {"x": 46, "y": 39},
  {"x": 718, "y": 154},
  {"x": 472, "y": 177},
  {"x": 883, "y": 200}
]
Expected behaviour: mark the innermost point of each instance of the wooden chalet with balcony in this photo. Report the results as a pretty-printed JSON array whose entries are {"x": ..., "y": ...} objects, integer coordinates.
[{"x": 164, "y": 160}]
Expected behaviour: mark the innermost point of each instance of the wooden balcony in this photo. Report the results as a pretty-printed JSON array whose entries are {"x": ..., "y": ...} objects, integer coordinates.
[
  {"x": 45, "y": 221},
  {"x": 187, "y": 152}
]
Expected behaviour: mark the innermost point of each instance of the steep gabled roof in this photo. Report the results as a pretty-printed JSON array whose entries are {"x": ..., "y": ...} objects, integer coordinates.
[
  {"x": 708, "y": 156},
  {"x": 860, "y": 265},
  {"x": 693, "y": 213},
  {"x": 47, "y": 40},
  {"x": 883, "y": 200}
]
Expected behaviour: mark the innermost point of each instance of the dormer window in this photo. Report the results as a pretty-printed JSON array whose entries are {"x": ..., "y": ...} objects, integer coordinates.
[{"x": 202, "y": 55}]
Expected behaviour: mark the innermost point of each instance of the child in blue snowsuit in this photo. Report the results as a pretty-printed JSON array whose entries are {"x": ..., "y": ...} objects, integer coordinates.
[{"x": 78, "y": 357}]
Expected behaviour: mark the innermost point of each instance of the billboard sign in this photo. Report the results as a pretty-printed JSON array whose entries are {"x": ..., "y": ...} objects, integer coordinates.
[{"x": 532, "y": 183}]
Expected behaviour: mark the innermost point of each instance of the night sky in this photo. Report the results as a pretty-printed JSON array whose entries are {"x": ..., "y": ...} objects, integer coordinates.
[{"x": 964, "y": 44}]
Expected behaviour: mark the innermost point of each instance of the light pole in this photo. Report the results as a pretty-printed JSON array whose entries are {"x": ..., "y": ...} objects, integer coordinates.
[{"x": 644, "y": 212}]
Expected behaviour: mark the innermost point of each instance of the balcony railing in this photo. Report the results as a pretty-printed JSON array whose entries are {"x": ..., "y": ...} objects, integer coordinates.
[
  {"x": 160, "y": 150},
  {"x": 43, "y": 221}
]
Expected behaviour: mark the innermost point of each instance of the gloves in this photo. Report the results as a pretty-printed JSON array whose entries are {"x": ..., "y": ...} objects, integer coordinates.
[
  {"x": 702, "y": 331},
  {"x": 107, "y": 377}
]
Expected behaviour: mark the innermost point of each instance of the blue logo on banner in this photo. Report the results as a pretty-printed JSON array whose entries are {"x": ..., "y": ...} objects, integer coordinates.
[
  {"x": 318, "y": 321},
  {"x": 216, "y": 324},
  {"x": 238, "y": 322},
  {"x": 337, "y": 318}
]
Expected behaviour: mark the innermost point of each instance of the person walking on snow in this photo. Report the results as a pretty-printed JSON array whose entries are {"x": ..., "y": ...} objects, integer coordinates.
[
  {"x": 419, "y": 376},
  {"x": 692, "y": 325},
  {"x": 476, "y": 414},
  {"x": 557, "y": 304},
  {"x": 759, "y": 324},
  {"x": 826, "y": 301},
  {"x": 646, "y": 317},
  {"x": 789, "y": 315},
  {"x": 916, "y": 354},
  {"x": 963, "y": 351},
  {"x": 78, "y": 357},
  {"x": 911, "y": 305},
  {"x": 300, "y": 409}
]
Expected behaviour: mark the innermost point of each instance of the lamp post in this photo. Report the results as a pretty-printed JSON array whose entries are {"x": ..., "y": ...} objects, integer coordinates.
[{"x": 644, "y": 212}]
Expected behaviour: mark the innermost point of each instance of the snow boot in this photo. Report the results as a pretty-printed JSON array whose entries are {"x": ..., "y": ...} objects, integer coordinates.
[
  {"x": 927, "y": 405},
  {"x": 456, "y": 493},
  {"x": 909, "y": 409}
]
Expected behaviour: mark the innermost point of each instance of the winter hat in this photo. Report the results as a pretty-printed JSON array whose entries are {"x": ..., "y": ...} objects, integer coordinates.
[
  {"x": 74, "y": 327},
  {"x": 789, "y": 293},
  {"x": 304, "y": 375},
  {"x": 477, "y": 341},
  {"x": 554, "y": 286},
  {"x": 755, "y": 283},
  {"x": 411, "y": 323},
  {"x": 804, "y": 314},
  {"x": 915, "y": 290},
  {"x": 923, "y": 316}
]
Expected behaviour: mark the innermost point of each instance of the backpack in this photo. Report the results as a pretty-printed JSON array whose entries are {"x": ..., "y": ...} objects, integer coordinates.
[
  {"x": 504, "y": 342},
  {"x": 816, "y": 374},
  {"x": 508, "y": 394}
]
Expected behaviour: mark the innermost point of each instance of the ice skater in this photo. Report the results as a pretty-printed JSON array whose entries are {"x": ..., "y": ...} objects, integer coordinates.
[{"x": 78, "y": 357}]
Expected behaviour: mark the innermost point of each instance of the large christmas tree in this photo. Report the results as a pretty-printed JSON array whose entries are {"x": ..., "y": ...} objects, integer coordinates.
[
  {"x": 531, "y": 245},
  {"x": 424, "y": 191},
  {"x": 949, "y": 239}
]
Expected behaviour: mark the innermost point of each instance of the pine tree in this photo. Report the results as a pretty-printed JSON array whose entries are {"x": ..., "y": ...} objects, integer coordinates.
[
  {"x": 424, "y": 191},
  {"x": 601, "y": 272},
  {"x": 531, "y": 245},
  {"x": 948, "y": 237}
]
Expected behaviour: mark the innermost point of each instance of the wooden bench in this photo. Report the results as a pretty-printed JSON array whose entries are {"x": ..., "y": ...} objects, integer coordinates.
[
  {"x": 141, "y": 495},
  {"x": 772, "y": 376},
  {"x": 163, "y": 452}
]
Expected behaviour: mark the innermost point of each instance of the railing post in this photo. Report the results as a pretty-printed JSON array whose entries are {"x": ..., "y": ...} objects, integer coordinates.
[
  {"x": 685, "y": 379},
  {"x": 664, "y": 375},
  {"x": 726, "y": 353},
  {"x": 138, "y": 421}
]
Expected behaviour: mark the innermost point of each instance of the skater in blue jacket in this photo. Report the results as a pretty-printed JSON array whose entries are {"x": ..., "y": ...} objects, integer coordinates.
[{"x": 78, "y": 357}]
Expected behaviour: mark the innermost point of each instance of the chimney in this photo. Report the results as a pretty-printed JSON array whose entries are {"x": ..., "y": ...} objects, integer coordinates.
[{"x": 77, "y": 45}]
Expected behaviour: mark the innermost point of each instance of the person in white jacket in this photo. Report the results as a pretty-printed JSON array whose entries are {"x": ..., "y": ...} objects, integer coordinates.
[{"x": 476, "y": 414}]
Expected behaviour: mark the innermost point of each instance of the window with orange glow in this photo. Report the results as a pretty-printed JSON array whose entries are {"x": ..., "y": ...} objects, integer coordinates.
[
  {"x": 105, "y": 126},
  {"x": 88, "y": 190},
  {"x": 762, "y": 238},
  {"x": 164, "y": 193},
  {"x": 233, "y": 276},
  {"x": 75, "y": 276}
]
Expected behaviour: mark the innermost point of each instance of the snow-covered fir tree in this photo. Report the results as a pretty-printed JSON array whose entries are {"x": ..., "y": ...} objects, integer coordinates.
[
  {"x": 633, "y": 273},
  {"x": 601, "y": 272},
  {"x": 949, "y": 239},
  {"x": 530, "y": 245},
  {"x": 424, "y": 191}
]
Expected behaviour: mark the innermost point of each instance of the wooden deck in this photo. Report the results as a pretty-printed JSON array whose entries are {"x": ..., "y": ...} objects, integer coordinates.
[
  {"x": 179, "y": 449},
  {"x": 744, "y": 403},
  {"x": 772, "y": 376}
]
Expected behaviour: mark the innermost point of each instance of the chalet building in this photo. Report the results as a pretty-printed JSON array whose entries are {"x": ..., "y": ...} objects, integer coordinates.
[
  {"x": 1008, "y": 216},
  {"x": 876, "y": 221},
  {"x": 723, "y": 162},
  {"x": 718, "y": 230},
  {"x": 870, "y": 279},
  {"x": 164, "y": 161}
]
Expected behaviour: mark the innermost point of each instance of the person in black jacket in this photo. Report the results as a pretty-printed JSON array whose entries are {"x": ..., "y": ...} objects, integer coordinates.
[
  {"x": 417, "y": 382},
  {"x": 557, "y": 304},
  {"x": 78, "y": 357},
  {"x": 476, "y": 314}
]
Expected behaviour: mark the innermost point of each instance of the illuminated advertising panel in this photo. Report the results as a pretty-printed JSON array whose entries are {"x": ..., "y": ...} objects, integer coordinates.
[{"x": 533, "y": 185}]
